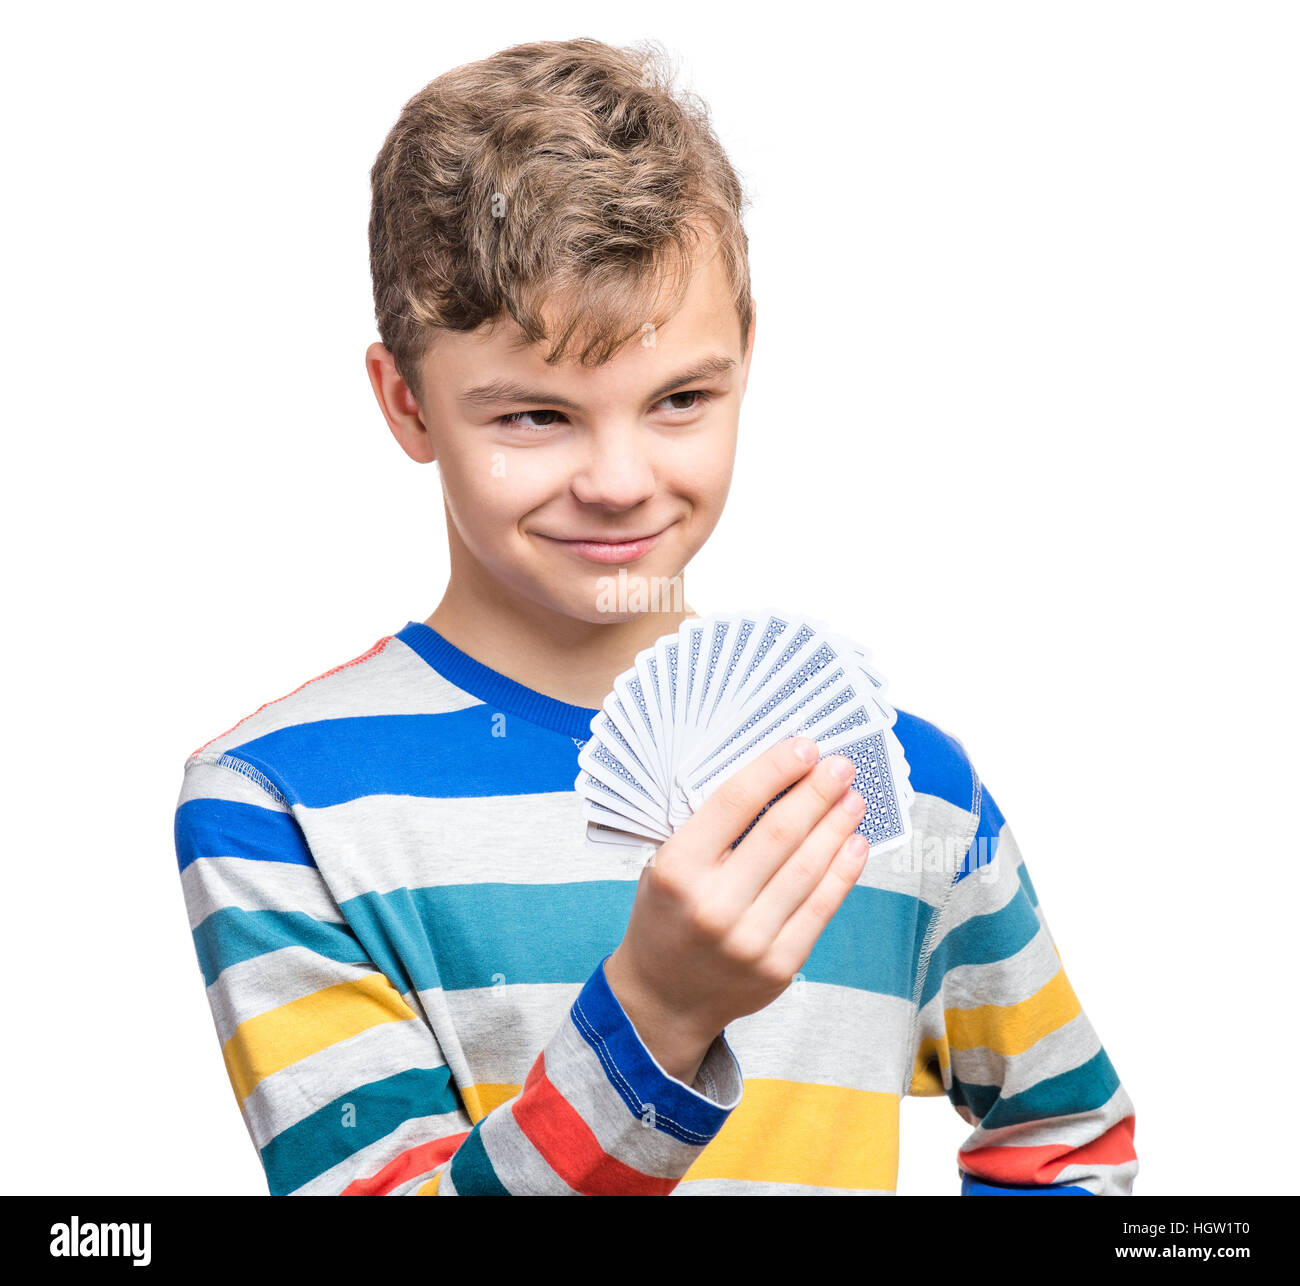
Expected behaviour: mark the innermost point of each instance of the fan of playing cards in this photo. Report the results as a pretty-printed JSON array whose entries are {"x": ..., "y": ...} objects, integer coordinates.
[{"x": 704, "y": 701}]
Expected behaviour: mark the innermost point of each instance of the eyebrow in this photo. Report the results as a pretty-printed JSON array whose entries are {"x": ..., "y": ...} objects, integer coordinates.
[{"x": 501, "y": 391}]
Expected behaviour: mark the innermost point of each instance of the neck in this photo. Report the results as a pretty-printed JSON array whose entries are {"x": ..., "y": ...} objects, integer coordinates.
[{"x": 563, "y": 657}]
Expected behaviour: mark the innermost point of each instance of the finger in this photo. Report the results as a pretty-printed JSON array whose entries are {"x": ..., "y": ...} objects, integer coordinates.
[
  {"x": 794, "y": 943},
  {"x": 728, "y": 810},
  {"x": 784, "y": 827},
  {"x": 799, "y": 875}
]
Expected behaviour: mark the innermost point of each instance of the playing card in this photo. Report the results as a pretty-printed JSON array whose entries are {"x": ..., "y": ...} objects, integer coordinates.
[
  {"x": 620, "y": 843},
  {"x": 713, "y": 644},
  {"x": 597, "y": 790},
  {"x": 665, "y": 651},
  {"x": 819, "y": 682},
  {"x": 631, "y": 711},
  {"x": 743, "y": 629},
  {"x": 702, "y": 702},
  {"x": 782, "y": 639},
  {"x": 647, "y": 669},
  {"x": 603, "y": 756},
  {"x": 609, "y": 819}
]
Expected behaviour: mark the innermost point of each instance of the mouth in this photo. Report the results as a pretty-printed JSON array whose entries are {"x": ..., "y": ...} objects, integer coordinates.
[{"x": 624, "y": 549}]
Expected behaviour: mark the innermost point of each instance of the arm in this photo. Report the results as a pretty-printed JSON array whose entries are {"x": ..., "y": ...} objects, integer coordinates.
[
  {"x": 338, "y": 1075},
  {"x": 1002, "y": 1033}
]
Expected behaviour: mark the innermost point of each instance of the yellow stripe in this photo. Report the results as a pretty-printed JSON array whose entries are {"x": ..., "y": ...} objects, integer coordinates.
[
  {"x": 480, "y": 1099},
  {"x": 430, "y": 1189},
  {"x": 272, "y": 1041},
  {"x": 1012, "y": 1029},
  {"x": 795, "y": 1132}
]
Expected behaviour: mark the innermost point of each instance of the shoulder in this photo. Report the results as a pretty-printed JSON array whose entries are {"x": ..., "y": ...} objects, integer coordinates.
[
  {"x": 358, "y": 698},
  {"x": 939, "y": 766},
  {"x": 937, "y": 762}
]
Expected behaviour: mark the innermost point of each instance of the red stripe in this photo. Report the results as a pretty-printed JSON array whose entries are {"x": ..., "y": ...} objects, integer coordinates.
[
  {"x": 565, "y": 1140},
  {"x": 375, "y": 648},
  {"x": 406, "y": 1165},
  {"x": 1041, "y": 1165}
]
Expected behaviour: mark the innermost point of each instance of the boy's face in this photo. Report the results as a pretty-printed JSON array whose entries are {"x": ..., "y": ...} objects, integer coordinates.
[{"x": 557, "y": 476}]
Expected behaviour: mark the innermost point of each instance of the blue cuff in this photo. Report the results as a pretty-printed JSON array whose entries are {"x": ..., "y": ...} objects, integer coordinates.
[
  {"x": 977, "y": 1188},
  {"x": 638, "y": 1078}
]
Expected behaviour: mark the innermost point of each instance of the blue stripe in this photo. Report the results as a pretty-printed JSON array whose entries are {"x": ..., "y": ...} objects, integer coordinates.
[
  {"x": 678, "y": 1111},
  {"x": 331, "y": 1134},
  {"x": 457, "y": 754},
  {"x": 233, "y": 935},
  {"x": 983, "y": 939},
  {"x": 984, "y": 845},
  {"x": 481, "y": 751},
  {"x": 936, "y": 763},
  {"x": 977, "y": 1188},
  {"x": 226, "y": 828},
  {"x": 1082, "y": 1089}
]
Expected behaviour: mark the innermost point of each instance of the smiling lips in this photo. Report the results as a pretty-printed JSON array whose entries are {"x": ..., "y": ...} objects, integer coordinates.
[{"x": 604, "y": 551}]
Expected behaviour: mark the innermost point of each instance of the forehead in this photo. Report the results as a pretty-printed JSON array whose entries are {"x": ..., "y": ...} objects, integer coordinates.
[{"x": 706, "y": 321}]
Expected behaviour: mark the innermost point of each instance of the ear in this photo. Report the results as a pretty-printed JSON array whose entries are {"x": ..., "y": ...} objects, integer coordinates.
[{"x": 398, "y": 404}]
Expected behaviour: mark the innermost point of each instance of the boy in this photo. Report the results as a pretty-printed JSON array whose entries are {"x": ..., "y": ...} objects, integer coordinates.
[{"x": 423, "y": 980}]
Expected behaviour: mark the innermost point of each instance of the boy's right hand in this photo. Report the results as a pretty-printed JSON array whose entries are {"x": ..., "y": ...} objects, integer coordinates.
[{"x": 716, "y": 933}]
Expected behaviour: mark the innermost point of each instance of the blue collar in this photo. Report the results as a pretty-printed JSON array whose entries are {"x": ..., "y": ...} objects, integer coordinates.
[{"x": 495, "y": 689}]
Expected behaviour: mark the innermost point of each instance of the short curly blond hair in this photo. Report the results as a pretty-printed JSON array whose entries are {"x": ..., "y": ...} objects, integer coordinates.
[{"x": 567, "y": 174}]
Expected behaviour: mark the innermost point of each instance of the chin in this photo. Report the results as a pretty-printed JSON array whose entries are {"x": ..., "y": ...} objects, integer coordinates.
[
  {"x": 604, "y": 594},
  {"x": 608, "y": 599}
]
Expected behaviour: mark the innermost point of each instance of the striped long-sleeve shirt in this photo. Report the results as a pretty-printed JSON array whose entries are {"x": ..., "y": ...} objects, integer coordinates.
[{"x": 402, "y": 931}]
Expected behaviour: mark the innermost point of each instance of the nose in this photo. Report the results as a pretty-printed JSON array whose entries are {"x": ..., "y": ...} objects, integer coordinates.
[{"x": 617, "y": 471}]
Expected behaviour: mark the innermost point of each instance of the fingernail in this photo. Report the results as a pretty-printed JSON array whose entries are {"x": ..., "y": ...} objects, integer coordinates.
[
  {"x": 856, "y": 845},
  {"x": 805, "y": 749},
  {"x": 851, "y": 801},
  {"x": 843, "y": 769}
]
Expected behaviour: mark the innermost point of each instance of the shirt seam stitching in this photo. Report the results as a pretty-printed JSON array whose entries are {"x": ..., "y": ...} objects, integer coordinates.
[
  {"x": 931, "y": 938},
  {"x": 683, "y": 1132},
  {"x": 233, "y": 763}
]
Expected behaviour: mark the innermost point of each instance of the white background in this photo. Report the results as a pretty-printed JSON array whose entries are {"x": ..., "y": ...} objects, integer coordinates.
[{"x": 1022, "y": 418}]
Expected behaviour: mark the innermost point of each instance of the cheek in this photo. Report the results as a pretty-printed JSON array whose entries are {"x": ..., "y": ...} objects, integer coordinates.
[
  {"x": 492, "y": 488},
  {"x": 705, "y": 474}
]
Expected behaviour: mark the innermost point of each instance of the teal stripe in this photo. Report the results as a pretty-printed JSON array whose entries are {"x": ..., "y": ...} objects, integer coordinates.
[
  {"x": 333, "y": 1133},
  {"x": 872, "y": 943},
  {"x": 462, "y": 936},
  {"x": 233, "y": 935},
  {"x": 1082, "y": 1089},
  {"x": 1027, "y": 884},
  {"x": 983, "y": 939},
  {"x": 471, "y": 1169},
  {"x": 477, "y": 935}
]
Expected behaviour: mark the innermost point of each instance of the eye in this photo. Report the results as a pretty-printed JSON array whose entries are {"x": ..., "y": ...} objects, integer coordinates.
[
  {"x": 538, "y": 420},
  {"x": 690, "y": 406},
  {"x": 515, "y": 419}
]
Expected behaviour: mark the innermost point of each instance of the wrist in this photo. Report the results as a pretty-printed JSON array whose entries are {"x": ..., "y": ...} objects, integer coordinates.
[{"x": 677, "y": 1045}]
